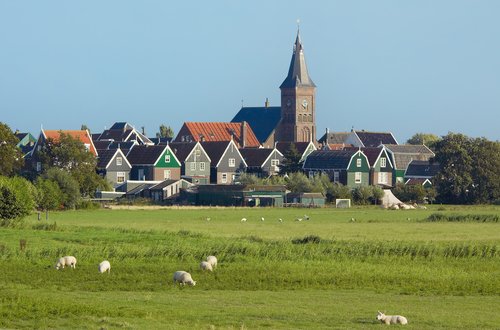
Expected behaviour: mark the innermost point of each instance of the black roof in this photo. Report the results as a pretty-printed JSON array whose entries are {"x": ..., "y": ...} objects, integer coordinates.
[
  {"x": 375, "y": 139},
  {"x": 329, "y": 159},
  {"x": 255, "y": 157},
  {"x": 182, "y": 149},
  {"x": 161, "y": 140},
  {"x": 144, "y": 154},
  {"x": 215, "y": 150},
  {"x": 163, "y": 184},
  {"x": 262, "y": 120},
  {"x": 422, "y": 168},
  {"x": 297, "y": 72},
  {"x": 300, "y": 146},
  {"x": 104, "y": 157}
]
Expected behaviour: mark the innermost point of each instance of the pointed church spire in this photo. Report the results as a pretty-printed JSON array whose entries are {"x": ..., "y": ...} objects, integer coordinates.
[{"x": 297, "y": 73}]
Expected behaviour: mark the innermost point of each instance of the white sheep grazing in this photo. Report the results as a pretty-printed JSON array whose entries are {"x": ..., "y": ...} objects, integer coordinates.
[
  {"x": 183, "y": 277},
  {"x": 205, "y": 265},
  {"x": 212, "y": 260},
  {"x": 391, "y": 319},
  {"x": 243, "y": 219},
  {"x": 105, "y": 266},
  {"x": 66, "y": 261}
]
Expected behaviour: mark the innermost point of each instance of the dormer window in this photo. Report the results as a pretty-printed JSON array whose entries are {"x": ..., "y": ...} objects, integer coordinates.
[
  {"x": 119, "y": 161},
  {"x": 167, "y": 158},
  {"x": 358, "y": 162}
]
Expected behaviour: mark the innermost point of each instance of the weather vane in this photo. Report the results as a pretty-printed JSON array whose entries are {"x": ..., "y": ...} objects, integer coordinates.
[{"x": 298, "y": 24}]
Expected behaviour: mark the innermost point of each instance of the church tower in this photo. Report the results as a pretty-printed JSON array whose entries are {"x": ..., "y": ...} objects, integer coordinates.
[{"x": 298, "y": 103}]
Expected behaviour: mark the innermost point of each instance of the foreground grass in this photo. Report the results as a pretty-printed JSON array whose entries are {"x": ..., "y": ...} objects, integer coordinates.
[{"x": 268, "y": 277}]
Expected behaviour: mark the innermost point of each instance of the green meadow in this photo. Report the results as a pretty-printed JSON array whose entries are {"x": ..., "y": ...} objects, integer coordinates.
[{"x": 439, "y": 267}]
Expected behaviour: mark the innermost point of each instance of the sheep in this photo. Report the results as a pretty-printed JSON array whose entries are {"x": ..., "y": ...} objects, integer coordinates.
[
  {"x": 212, "y": 260},
  {"x": 205, "y": 265},
  {"x": 391, "y": 319},
  {"x": 243, "y": 219},
  {"x": 183, "y": 277},
  {"x": 104, "y": 266},
  {"x": 298, "y": 219},
  {"x": 66, "y": 261},
  {"x": 280, "y": 220},
  {"x": 262, "y": 219},
  {"x": 306, "y": 217}
]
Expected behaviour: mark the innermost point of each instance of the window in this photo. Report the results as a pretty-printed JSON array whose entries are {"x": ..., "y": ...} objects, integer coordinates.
[
  {"x": 275, "y": 162},
  {"x": 224, "y": 178},
  {"x": 358, "y": 162},
  {"x": 167, "y": 158},
  {"x": 119, "y": 161},
  {"x": 336, "y": 176},
  {"x": 202, "y": 166},
  {"x": 120, "y": 177},
  {"x": 166, "y": 174},
  {"x": 382, "y": 177},
  {"x": 193, "y": 166},
  {"x": 357, "y": 177},
  {"x": 38, "y": 166},
  {"x": 383, "y": 162},
  {"x": 197, "y": 152},
  {"x": 232, "y": 162}
]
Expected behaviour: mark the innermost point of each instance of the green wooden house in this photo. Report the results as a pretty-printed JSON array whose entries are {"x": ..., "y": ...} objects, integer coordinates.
[
  {"x": 153, "y": 163},
  {"x": 348, "y": 167}
]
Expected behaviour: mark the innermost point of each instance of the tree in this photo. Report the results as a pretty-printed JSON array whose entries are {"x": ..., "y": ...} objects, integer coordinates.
[
  {"x": 51, "y": 196},
  {"x": 291, "y": 163},
  {"x": 11, "y": 156},
  {"x": 85, "y": 127},
  {"x": 485, "y": 171},
  {"x": 424, "y": 138},
  {"x": 339, "y": 191},
  {"x": 17, "y": 199},
  {"x": 362, "y": 195},
  {"x": 166, "y": 132},
  {"x": 67, "y": 184},
  {"x": 377, "y": 194},
  {"x": 298, "y": 182}
]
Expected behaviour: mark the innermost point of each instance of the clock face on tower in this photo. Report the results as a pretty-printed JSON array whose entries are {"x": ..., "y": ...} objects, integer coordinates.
[{"x": 304, "y": 103}]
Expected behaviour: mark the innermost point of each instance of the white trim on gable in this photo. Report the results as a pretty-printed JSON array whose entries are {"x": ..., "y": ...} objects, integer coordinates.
[
  {"x": 124, "y": 158},
  {"x": 201, "y": 147},
  {"x": 270, "y": 154},
  {"x": 237, "y": 150}
]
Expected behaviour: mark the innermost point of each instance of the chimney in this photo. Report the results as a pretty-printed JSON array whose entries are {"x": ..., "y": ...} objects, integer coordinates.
[
  {"x": 143, "y": 132},
  {"x": 267, "y": 103},
  {"x": 243, "y": 134}
]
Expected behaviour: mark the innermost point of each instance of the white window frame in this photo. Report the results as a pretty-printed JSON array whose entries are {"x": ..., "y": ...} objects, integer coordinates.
[
  {"x": 120, "y": 175},
  {"x": 167, "y": 158},
  {"x": 223, "y": 178},
  {"x": 383, "y": 177},
  {"x": 202, "y": 166},
  {"x": 192, "y": 166},
  {"x": 383, "y": 162},
  {"x": 275, "y": 162},
  {"x": 167, "y": 174},
  {"x": 197, "y": 152},
  {"x": 358, "y": 162},
  {"x": 358, "y": 177},
  {"x": 231, "y": 162},
  {"x": 119, "y": 161}
]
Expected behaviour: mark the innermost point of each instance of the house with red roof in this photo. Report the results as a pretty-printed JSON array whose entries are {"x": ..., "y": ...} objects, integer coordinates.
[
  {"x": 55, "y": 135},
  {"x": 241, "y": 133}
]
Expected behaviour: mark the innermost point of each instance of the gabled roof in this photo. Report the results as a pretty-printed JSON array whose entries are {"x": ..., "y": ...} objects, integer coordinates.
[
  {"x": 301, "y": 146},
  {"x": 182, "y": 149},
  {"x": 145, "y": 154},
  {"x": 329, "y": 159},
  {"x": 337, "y": 146},
  {"x": 106, "y": 156},
  {"x": 161, "y": 140},
  {"x": 217, "y": 132},
  {"x": 297, "y": 72},
  {"x": 255, "y": 157},
  {"x": 375, "y": 139},
  {"x": 334, "y": 138},
  {"x": 215, "y": 150},
  {"x": 403, "y": 154},
  {"x": 81, "y": 135},
  {"x": 163, "y": 184},
  {"x": 422, "y": 169},
  {"x": 263, "y": 120},
  {"x": 124, "y": 146},
  {"x": 372, "y": 154},
  {"x": 122, "y": 131},
  {"x": 418, "y": 182},
  {"x": 102, "y": 145}
]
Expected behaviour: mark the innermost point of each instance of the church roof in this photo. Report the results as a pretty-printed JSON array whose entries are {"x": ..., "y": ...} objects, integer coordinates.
[
  {"x": 297, "y": 73},
  {"x": 263, "y": 120},
  {"x": 218, "y": 131}
]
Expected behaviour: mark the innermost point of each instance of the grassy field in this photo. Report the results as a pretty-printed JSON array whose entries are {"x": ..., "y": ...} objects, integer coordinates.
[{"x": 333, "y": 271}]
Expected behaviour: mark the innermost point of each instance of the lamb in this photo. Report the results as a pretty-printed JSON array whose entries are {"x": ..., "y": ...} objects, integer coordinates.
[
  {"x": 66, "y": 261},
  {"x": 212, "y": 260},
  {"x": 183, "y": 277},
  {"x": 205, "y": 265},
  {"x": 391, "y": 319},
  {"x": 104, "y": 266}
]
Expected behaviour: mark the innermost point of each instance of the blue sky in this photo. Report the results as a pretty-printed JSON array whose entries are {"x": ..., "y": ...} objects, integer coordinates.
[{"x": 401, "y": 66}]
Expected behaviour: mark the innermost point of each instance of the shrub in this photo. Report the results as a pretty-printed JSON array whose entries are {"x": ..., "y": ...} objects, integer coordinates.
[
  {"x": 17, "y": 200},
  {"x": 307, "y": 239}
]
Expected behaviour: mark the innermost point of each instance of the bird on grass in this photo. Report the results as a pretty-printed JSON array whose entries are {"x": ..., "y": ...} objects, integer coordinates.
[{"x": 280, "y": 220}]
